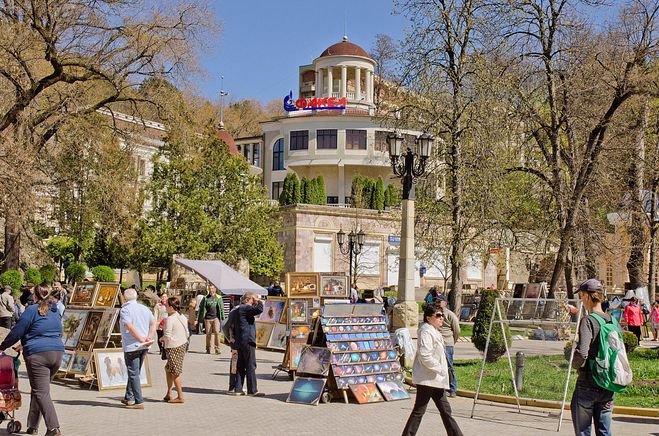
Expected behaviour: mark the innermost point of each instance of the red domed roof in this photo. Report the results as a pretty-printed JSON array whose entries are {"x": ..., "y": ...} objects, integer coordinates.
[
  {"x": 228, "y": 140},
  {"x": 344, "y": 48}
]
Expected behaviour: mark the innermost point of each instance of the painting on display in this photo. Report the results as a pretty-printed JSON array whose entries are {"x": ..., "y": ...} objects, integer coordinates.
[
  {"x": 294, "y": 350},
  {"x": 393, "y": 390},
  {"x": 83, "y": 294},
  {"x": 272, "y": 310},
  {"x": 316, "y": 302},
  {"x": 67, "y": 358},
  {"x": 616, "y": 313},
  {"x": 80, "y": 362},
  {"x": 111, "y": 371},
  {"x": 532, "y": 290},
  {"x": 298, "y": 310},
  {"x": 73, "y": 322},
  {"x": 105, "y": 327},
  {"x": 278, "y": 337},
  {"x": 302, "y": 284},
  {"x": 299, "y": 331},
  {"x": 366, "y": 393},
  {"x": 91, "y": 327},
  {"x": 335, "y": 286},
  {"x": 314, "y": 360},
  {"x": 263, "y": 332},
  {"x": 306, "y": 390},
  {"x": 106, "y": 295}
]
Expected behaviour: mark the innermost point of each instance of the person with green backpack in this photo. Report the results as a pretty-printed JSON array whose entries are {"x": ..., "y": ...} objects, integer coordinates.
[{"x": 601, "y": 363}]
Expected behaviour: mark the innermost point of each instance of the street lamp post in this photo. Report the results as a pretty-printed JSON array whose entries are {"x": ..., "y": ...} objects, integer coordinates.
[
  {"x": 354, "y": 247},
  {"x": 408, "y": 165}
]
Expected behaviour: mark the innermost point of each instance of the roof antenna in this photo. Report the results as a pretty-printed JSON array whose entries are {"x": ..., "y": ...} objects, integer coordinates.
[
  {"x": 222, "y": 95},
  {"x": 345, "y": 25}
]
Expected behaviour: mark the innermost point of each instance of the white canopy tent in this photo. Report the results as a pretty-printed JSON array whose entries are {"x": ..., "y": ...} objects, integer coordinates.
[{"x": 226, "y": 279}]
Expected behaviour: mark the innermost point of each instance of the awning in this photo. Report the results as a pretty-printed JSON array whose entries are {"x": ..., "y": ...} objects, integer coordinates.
[{"x": 226, "y": 279}]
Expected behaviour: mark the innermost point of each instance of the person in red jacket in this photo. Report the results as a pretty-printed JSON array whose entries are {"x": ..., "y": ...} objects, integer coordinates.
[{"x": 634, "y": 318}]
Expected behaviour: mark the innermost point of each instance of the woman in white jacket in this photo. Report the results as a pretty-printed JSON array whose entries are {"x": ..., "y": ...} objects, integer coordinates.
[
  {"x": 430, "y": 374},
  {"x": 175, "y": 341}
]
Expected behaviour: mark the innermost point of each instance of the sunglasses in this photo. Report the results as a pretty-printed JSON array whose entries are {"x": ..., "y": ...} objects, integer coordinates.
[{"x": 439, "y": 315}]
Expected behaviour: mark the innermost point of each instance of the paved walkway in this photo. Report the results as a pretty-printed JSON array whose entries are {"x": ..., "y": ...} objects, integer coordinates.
[{"x": 209, "y": 411}]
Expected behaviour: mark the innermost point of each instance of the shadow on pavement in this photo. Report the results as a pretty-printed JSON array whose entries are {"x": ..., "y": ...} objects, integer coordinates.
[
  {"x": 195, "y": 390},
  {"x": 637, "y": 420},
  {"x": 91, "y": 403}
]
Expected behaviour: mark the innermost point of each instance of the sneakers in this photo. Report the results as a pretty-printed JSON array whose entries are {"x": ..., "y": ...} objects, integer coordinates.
[
  {"x": 126, "y": 403},
  {"x": 53, "y": 432},
  {"x": 237, "y": 394},
  {"x": 32, "y": 430},
  {"x": 138, "y": 406},
  {"x": 452, "y": 394},
  {"x": 257, "y": 394}
]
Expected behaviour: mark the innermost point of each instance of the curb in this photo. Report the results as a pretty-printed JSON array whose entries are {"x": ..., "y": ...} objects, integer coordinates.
[{"x": 548, "y": 404}]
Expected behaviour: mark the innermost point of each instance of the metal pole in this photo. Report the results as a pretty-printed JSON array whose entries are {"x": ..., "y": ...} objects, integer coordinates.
[
  {"x": 350, "y": 261},
  {"x": 519, "y": 369},
  {"x": 569, "y": 366},
  {"x": 510, "y": 362},
  {"x": 480, "y": 377}
]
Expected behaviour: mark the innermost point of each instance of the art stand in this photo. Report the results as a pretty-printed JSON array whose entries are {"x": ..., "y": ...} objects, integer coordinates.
[{"x": 534, "y": 320}]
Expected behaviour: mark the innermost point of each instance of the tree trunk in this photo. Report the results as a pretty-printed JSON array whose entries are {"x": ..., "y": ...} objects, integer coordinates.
[
  {"x": 12, "y": 241},
  {"x": 569, "y": 273}
]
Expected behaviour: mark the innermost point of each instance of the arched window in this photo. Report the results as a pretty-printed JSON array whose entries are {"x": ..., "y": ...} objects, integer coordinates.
[{"x": 278, "y": 155}]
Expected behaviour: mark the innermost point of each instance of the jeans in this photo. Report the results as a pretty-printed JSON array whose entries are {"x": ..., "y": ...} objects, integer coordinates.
[
  {"x": 423, "y": 396},
  {"x": 41, "y": 368},
  {"x": 246, "y": 369},
  {"x": 134, "y": 361},
  {"x": 451, "y": 372},
  {"x": 591, "y": 404}
]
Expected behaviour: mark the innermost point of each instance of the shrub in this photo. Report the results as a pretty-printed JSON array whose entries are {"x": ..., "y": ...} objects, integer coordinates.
[
  {"x": 496, "y": 347},
  {"x": 48, "y": 273},
  {"x": 11, "y": 278},
  {"x": 378, "y": 196},
  {"x": 32, "y": 275},
  {"x": 76, "y": 272},
  {"x": 630, "y": 340},
  {"x": 322, "y": 192},
  {"x": 304, "y": 190},
  {"x": 103, "y": 273},
  {"x": 567, "y": 350}
]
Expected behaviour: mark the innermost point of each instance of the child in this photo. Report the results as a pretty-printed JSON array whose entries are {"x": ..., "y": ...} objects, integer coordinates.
[{"x": 654, "y": 320}]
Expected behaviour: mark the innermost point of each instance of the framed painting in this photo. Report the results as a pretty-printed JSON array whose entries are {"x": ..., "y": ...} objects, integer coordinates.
[
  {"x": 272, "y": 309},
  {"x": 73, "y": 322},
  {"x": 532, "y": 290},
  {"x": 298, "y": 310},
  {"x": 334, "y": 286},
  {"x": 302, "y": 284},
  {"x": 83, "y": 294},
  {"x": 306, "y": 391},
  {"x": 111, "y": 372},
  {"x": 616, "y": 313},
  {"x": 263, "y": 332},
  {"x": 278, "y": 337},
  {"x": 67, "y": 358},
  {"x": 315, "y": 302},
  {"x": 91, "y": 327},
  {"x": 300, "y": 332},
  {"x": 106, "y": 295},
  {"x": 314, "y": 360},
  {"x": 366, "y": 393},
  {"x": 294, "y": 351},
  {"x": 80, "y": 362},
  {"x": 393, "y": 390},
  {"x": 105, "y": 325}
]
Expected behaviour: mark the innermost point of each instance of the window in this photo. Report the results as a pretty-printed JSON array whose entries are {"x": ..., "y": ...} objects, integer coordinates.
[
  {"x": 299, "y": 140},
  {"x": 322, "y": 254},
  {"x": 609, "y": 275},
  {"x": 326, "y": 139},
  {"x": 142, "y": 168},
  {"x": 348, "y": 200},
  {"x": 278, "y": 155},
  {"x": 355, "y": 139},
  {"x": 381, "y": 140},
  {"x": 247, "y": 152},
  {"x": 276, "y": 189},
  {"x": 369, "y": 259},
  {"x": 256, "y": 155},
  {"x": 332, "y": 199}
]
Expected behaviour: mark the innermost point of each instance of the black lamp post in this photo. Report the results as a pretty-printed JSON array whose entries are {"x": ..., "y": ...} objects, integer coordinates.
[
  {"x": 354, "y": 247},
  {"x": 408, "y": 165}
]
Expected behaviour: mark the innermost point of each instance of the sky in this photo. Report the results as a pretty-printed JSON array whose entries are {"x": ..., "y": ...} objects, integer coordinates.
[{"x": 262, "y": 43}]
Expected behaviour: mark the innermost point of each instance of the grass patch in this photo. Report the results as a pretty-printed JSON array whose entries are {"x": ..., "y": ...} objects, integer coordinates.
[{"x": 544, "y": 378}]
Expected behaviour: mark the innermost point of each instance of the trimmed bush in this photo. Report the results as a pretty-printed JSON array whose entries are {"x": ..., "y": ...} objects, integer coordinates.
[
  {"x": 630, "y": 340},
  {"x": 48, "y": 273},
  {"x": 12, "y": 278},
  {"x": 103, "y": 273},
  {"x": 32, "y": 275},
  {"x": 76, "y": 272},
  {"x": 497, "y": 346}
]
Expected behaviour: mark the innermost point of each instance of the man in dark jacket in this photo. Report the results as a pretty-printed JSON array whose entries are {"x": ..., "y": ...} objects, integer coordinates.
[
  {"x": 229, "y": 331},
  {"x": 245, "y": 337}
]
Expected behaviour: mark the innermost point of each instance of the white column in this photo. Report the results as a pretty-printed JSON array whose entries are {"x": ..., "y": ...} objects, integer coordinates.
[
  {"x": 358, "y": 83},
  {"x": 329, "y": 81},
  {"x": 344, "y": 80},
  {"x": 319, "y": 82},
  {"x": 369, "y": 87},
  {"x": 342, "y": 184}
]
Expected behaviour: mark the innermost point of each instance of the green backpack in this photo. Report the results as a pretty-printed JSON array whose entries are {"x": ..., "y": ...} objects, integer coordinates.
[{"x": 610, "y": 369}]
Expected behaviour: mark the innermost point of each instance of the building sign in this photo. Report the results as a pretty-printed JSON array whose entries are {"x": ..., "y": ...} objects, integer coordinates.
[
  {"x": 313, "y": 104},
  {"x": 394, "y": 239}
]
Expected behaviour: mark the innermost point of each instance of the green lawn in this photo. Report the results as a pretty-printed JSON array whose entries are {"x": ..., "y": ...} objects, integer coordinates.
[{"x": 544, "y": 378}]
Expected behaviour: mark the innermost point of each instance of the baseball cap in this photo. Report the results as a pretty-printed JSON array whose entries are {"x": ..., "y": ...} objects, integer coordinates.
[
  {"x": 441, "y": 298},
  {"x": 591, "y": 285}
]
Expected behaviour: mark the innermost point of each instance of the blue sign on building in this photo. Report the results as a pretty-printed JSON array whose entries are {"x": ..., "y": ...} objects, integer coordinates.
[{"x": 394, "y": 239}]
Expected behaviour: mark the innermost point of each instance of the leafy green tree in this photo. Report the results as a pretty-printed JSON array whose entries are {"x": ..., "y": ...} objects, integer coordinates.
[
  {"x": 378, "y": 196},
  {"x": 304, "y": 190},
  {"x": 11, "y": 278},
  {"x": 48, "y": 273},
  {"x": 60, "y": 247},
  {"x": 204, "y": 200},
  {"x": 296, "y": 196},
  {"x": 76, "y": 272},
  {"x": 32, "y": 275},
  {"x": 103, "y": 273}
]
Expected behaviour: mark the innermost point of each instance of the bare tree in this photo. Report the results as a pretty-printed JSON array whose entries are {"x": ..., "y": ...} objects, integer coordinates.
[{"x": 383, "y": 52}]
